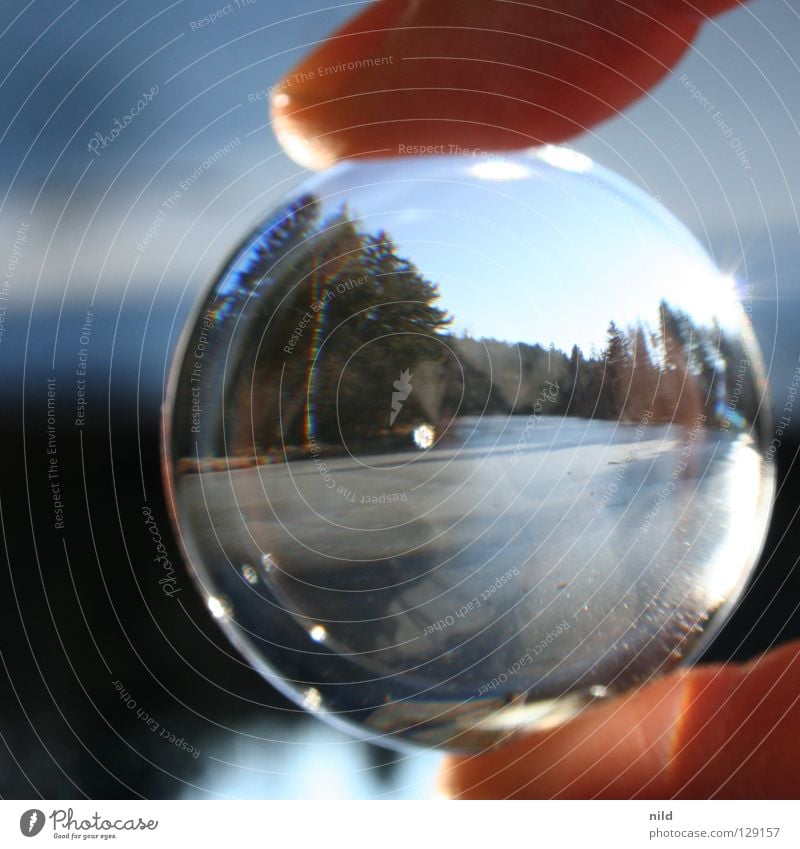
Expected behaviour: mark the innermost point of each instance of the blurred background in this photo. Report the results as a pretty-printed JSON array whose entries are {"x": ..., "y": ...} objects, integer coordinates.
[{"x": 135, "y": 153}]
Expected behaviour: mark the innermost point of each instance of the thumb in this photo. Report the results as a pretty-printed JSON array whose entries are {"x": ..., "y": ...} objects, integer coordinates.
[{"x": 714, "y": 731}]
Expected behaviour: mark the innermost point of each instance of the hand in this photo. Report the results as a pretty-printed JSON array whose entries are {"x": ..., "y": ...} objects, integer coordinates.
[{"x": 505, "y": 74}]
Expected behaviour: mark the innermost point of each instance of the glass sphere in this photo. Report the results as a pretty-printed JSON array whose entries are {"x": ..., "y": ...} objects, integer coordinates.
[{"x": 456, "y": 445}]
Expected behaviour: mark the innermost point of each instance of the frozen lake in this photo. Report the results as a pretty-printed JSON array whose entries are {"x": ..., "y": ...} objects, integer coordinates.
[{"x": 572, "y": 552}]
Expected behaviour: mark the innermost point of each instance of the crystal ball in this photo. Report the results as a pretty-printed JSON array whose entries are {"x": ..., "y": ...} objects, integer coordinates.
[{"x": 458, "y": 445}]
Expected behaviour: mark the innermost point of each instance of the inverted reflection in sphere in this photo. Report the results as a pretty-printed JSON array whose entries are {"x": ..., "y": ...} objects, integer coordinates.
[{"x": 457, "y": 445}]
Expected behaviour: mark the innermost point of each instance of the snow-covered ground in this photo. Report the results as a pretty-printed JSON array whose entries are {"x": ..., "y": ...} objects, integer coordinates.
[{"x": 567, "y": 549}]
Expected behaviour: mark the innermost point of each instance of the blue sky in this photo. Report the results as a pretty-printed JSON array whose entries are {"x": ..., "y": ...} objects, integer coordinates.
[{"x": 524, "y": 251}]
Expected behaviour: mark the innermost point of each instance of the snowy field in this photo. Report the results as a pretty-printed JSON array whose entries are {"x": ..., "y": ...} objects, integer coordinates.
[{"x": 589, "y": 547}]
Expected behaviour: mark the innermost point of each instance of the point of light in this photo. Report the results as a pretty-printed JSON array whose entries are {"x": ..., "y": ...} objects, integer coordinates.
[
  {"x": 312, "y": 699},
  {"x": 565, "y": 157},
  {"x": 312, "y": 153},
  {"x": 718, "y": 296},
  {"x": 219, "y": 607},
  {"x": 280, "y": 100},
  {"x": 424, "y": 436},
  {"x": 318, "y": 634},
  {"x": 499, "y": 170}
]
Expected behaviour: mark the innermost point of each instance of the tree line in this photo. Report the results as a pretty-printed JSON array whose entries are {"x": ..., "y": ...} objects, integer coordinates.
[{"x": 327, "y": 316}]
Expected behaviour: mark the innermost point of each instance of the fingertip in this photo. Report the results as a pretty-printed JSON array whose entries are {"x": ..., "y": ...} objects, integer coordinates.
[
  {"x": 615, "y": 749},
  {"x": 725, "y": 731},
  {"x": 737, "y": 734},
  {"x": 435, "y": 73}
]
